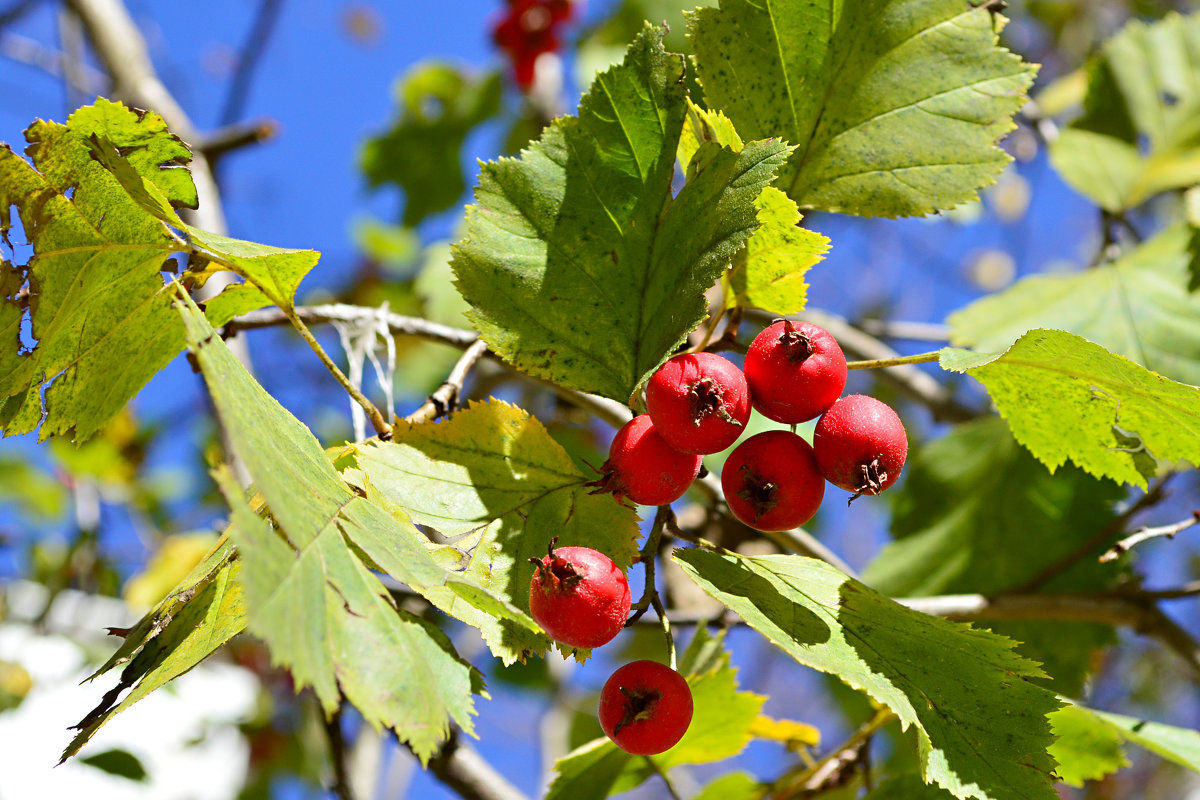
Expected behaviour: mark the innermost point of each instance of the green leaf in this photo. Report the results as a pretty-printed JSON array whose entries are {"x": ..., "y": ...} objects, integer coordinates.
[
  {"x": 1140, "y": 131},
  {"x": 100, "y": 315},
  {"x": 1066, "y": 398},
  {"x": 121, "y": 763},
  {"x": 98, "y": 205},
  {"x": 979, "y": 718},
  {"x": 1086, "y": 748},
  {"x": 769, "y": 272},
  {"x": 311, "y": 593},
  {"x": 491, "y": 479},
  {"x": 421, "y": 153},
  {"x": 895, "y": 106},
  {"x": 1139, "y": 306},
  {"x": 201, "y": 614},
  {"x": 720, "y": 729},
  {"x": 580, "y": 266},
  {"x": 734, "y": 786},
  {"x": 1089, "y": 743},
  {"x": 979, "y": 514}
]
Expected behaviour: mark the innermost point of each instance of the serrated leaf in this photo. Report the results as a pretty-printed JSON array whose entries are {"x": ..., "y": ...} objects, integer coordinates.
[
  {"x": 1066, "y": 398},
  {"x": 720, "y": 729},
  {"x": 1089, "y": 744},
  {"x": 1139, "y": 306},
  {"x": 769, "y": 272},
  {"x": 439, "y": 105},
  {"x": 894, "y": 105},
  {"x": 321, "y": 610},
  {"x": 100, "y": 316},
  {"x": 785, "y": 731},
  {"x": 580, "y": 265},
  {"x": 703, "y": 126},
  {"x": 980, "y": 515},
  {"x": 491, "y": 478},
  {"x": 979, "y": 718},
  {"x": 1140, "y": 131},
  {"x": 98, "y": 206},
  {"x": 184, "y": 630}
]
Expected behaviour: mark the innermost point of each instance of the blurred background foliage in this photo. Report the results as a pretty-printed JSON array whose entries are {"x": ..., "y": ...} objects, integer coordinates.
[{"x": 90, "y": 536}]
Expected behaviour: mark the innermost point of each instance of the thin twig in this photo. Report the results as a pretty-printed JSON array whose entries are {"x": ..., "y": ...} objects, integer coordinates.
[
  {"x": 234, "y": 137},
  {"x": 898, "y": 361},
  {"x": 1153, "y": 495},
  {"x": 248, "y": 58},
  {"x": 648, "y": 558},
  {"x": 31, "y": 53},
  {"x": 1146, "y": 534},
  {"x": 664, "y": 622},
  {"x": 17, "y": 10},
  {"x": 835, "y": 769},
  {"x": 445, "y": 398},
  {"x": 374, "y": 414}
]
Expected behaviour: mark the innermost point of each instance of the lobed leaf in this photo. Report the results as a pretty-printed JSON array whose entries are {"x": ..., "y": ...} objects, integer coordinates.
[
  {"x": 201, "y": 614},
  {"x": 310, "y": 589},
  {"x": 1139, "y": 132},
  {"x": 1139, "y": 306},
  {"x": 492, "y": 481},
  {"x": 894, "y": 105},
  {"x": 579, "y": 263},
  {"x": 1066, "y": 398},
  {"x": 980, "y": 719},
  {"x": 1089, "y": 744}
]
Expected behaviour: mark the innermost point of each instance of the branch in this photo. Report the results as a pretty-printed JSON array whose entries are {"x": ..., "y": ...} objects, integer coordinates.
[
  {"x": 1146, "y": 534},
  {"x": 218, "y": 143},
  {"x": 52, "y": 62},
  {"x": 465, "y": 771},
  {"x": 610, "y": 411},
  {"x": 337, "y": 756},
  {"x": 1154, "y": 495},
  {"x": 445, "y": 398},
  {"x": 909, "y": 379},
  {"x": 249, "y": 57},
  {"x": 910, "y": 331}
]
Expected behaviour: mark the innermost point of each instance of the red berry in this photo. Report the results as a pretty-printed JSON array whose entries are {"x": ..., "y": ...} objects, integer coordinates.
[
  {"x": 578, "y": 596},
  {"x": 771, "y": 481},
  {"x": 645, "y": 707},
  {"x": 796, "y": 370},
  {"x": 644, "y": 468},
  {"x": 699, "y": 402},
  {"x": 860, "y": 445}
]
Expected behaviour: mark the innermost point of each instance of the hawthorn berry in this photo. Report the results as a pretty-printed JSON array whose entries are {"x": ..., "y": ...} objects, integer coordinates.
[
  {"x": 645, "y": 707},
  {"x": 578, "y": 596},
  {"x": 860, "y": 445},
  {"x": 528, "y": 29},
  {"x": 644, "y": 468},
  {"x": 795, "y": 370},
  {"x": 699, "y": 402},
  {"x": 771, "y": 481}
]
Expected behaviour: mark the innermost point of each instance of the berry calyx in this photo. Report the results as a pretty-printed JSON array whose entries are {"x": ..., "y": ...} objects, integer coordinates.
[
  {"x": 699, "y": 402},
  {"x": 771, "y": 481},
  {"x": 578, "y": 595},
  {"x": 644, "y": 468},
  {"x": 645, "y": 707},
  {"x": 860, "y": 445},
  {"x": 795, "y": 370}
]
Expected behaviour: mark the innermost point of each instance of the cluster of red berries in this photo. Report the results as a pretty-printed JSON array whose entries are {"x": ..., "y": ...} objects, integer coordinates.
[
  {"x": 581, "y": 599},
  {"x": 528, "y": 29},
  {"x": 699, "y": 403}
]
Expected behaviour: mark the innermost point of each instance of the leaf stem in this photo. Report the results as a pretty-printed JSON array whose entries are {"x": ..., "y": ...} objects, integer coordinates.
[
  {"x": 377, "y": 421},
  {"x": 663, "y": 620},
  {"x": 660, "y": 772},
  {"x": 878, "y": 363}
]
